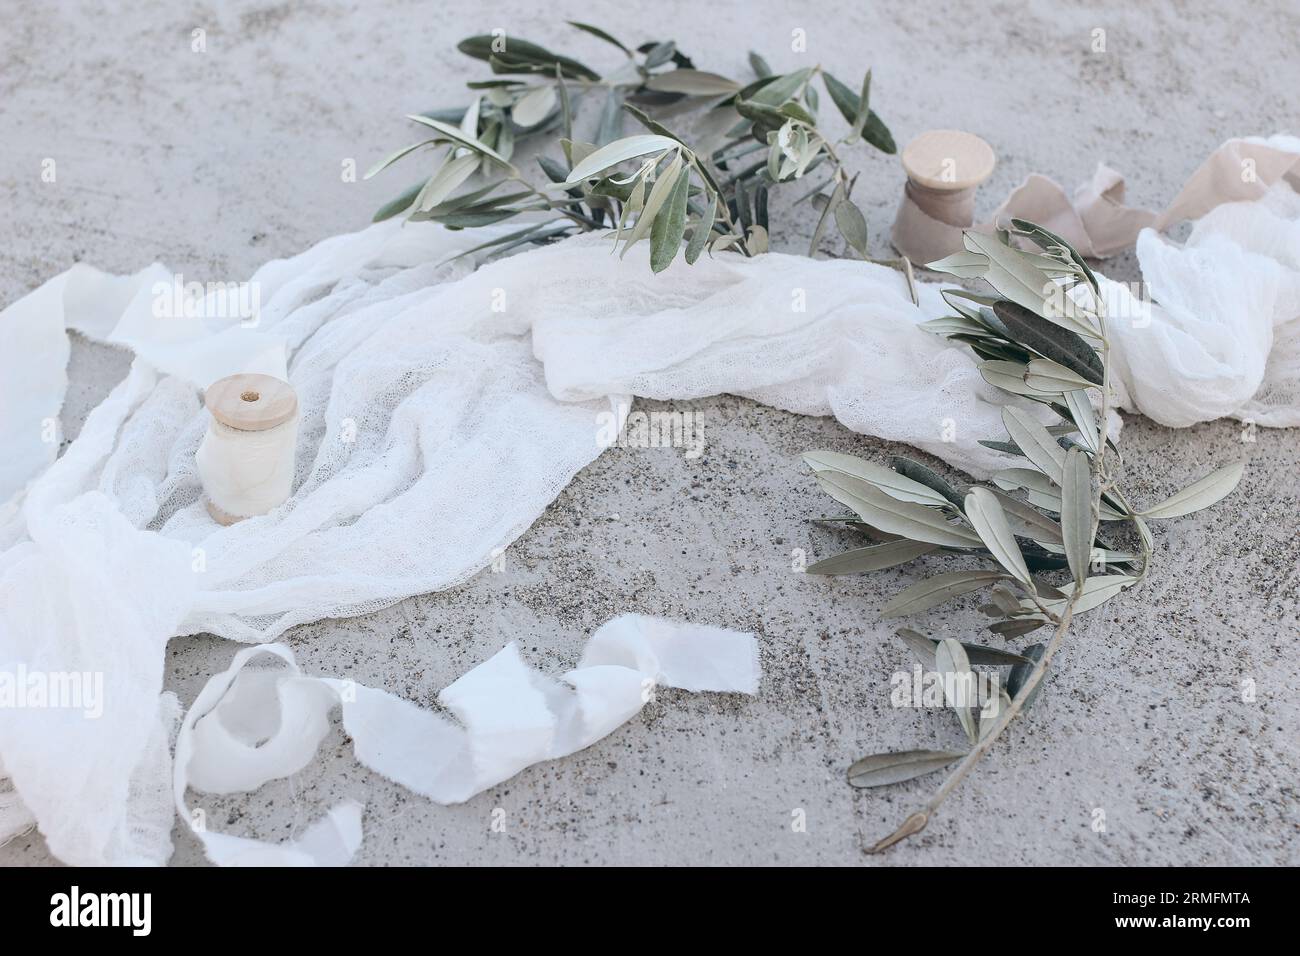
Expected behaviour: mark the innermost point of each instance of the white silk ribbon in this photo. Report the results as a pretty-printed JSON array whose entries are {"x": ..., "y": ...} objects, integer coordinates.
[{"x": 252, "y": 725}]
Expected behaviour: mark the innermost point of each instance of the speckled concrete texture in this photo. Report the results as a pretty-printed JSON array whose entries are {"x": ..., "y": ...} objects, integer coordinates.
[{"x": 215, "y": 161}]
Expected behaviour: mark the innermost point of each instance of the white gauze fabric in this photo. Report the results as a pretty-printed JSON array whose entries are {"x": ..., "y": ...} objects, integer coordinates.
[
  {"x": 1222, "y": 337},
  {"x": 435, "y": 429}
]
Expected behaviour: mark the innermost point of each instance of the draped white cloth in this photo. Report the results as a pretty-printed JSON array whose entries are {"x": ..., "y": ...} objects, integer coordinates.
[{"x": 442, "y": 409}]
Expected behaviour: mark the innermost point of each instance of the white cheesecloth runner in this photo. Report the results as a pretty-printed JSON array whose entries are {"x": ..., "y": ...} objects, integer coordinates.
[{"x": 441, "y": 411}]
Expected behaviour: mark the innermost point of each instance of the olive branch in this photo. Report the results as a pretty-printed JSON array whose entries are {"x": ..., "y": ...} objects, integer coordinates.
[
  {"x": 709, "y": 191},
  {"x": 1042, "y": 337}
]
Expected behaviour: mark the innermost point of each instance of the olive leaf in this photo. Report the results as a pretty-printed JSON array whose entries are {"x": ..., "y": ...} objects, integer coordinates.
[
  {"x": 923, "y": 647},
  {"x": 723, "y": 242},
  {"x": 852, "y": 225},
  {"x": 1027, "y": 522},
  {"x": 693, "y": 83},
  {"x": 1009, "y": 447},
  {"x": 460, "y": 138},
  {"x": 761, "y": 113},
  {"x": 635, "y": 203},
  {"x": 903, "y": 518},
  {"x": 620, "y": 151},
  {"x": 388, "y": 161},
  {"x": 1018, "y": 627},
  {"x": 655, "y": 127},
  {"x": 837, "y": 196},
  {"x": 400, "y": 204},
  {"x": 610, "y": 129},
  {"x": 951, "y": 662},
  {"x": 864, "y": 110},
  {"x": 873, "y": 558},
  {"x": 1020, "y": 674},
  {"x": 964, "y": 264},
  {"x": 1010, "y": 377},
  {"x": 1200, "y": 494},
  {"x": 878, "y": 770},
  {"x": 700, "y": 233},
  {"x": 534, "y": 106},
  {"x": 1084, "y": 417},
  {"x": 878, "y": 135},
  {"x": 657, "y": 54},
  {"x": 812, "y": 98},
  {"x": 1048, "y": 376},
  {"x": 507, "y": 239},
  {"x": 521, "y": 56},
  {"x": 890, "y": 482},
  {"x": 919, "y": 473},
  {"x": 845, "y": 100},
  {"x": 780, "y": 113},
  {"x": 949, "y": 325},
  {"x": 1096, "y": 591},
  {"x": 780, "y": 88},
  {"x": 991, "y": 711},
  {"x": 1028, "y": 280},
  {"x": 1049, "y": 340},
  {"x": 659, "y": 193},
  {"x": 1144, "y": 531},
  {"x": 668, "y": 228},
  {"x": 1035, "y": 441},
  {"x": 986, "y": 515},
  {"x": 441, "y": 184},
  {"x": 1076, "y": 512},
  {"x": 556, "y": 172},
  {"x": 575, "y": 151},
  {"x": 598, "y": 32},
  {"x": 936, "y": 590},
  {"x": 1002, "y": 596},
  {"x": 1050, "y": 241},
  {"x": 1042, "y": 491},
  {"x": 856, "y": 111}
]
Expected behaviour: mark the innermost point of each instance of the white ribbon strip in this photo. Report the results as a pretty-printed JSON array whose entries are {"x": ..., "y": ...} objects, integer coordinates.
[{"x": 251, "y": 726}]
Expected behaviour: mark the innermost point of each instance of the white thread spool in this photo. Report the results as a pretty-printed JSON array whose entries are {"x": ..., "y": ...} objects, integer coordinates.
[
  {"x": 246, "y": 459},
  {"x": 944, "y": 168}
]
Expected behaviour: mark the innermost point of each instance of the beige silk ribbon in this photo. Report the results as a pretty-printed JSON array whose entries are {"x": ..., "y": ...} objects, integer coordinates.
[{"x": 1096, "y": 221}]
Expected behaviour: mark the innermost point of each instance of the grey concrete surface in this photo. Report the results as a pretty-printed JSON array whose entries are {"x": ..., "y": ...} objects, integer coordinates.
[{"x": 215, "y": 161}]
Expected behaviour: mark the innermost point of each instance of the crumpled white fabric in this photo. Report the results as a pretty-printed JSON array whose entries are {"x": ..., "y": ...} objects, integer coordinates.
[
  {"x": 441, "y": 412},
  {"x": 1222, "y": 337},
  {"x": 249, "y": 725}
]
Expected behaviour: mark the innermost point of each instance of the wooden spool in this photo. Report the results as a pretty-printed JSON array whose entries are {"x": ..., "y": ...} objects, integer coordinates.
[
  {"x": 249, "y": 402},
  {"x": 948, "y": 160}
]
